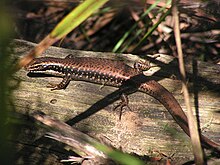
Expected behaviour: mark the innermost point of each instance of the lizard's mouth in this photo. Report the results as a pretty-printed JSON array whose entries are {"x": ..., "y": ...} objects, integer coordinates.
[
  {"x": 42, "y": 71},
  {"x": 36, "y": 65},
  {"x": 35, "y": 68}
]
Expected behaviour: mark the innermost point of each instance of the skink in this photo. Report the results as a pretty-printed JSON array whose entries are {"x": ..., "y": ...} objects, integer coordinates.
[{"x": 112, "y": 73}]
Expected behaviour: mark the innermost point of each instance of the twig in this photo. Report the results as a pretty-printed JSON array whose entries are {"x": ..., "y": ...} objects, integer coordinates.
[
  {"x": 193, "y": 128},
  {"x": 79, "y": 142}
]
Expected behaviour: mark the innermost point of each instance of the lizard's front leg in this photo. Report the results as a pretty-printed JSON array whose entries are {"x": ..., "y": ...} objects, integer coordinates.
[{"x": 62, "y": 85}]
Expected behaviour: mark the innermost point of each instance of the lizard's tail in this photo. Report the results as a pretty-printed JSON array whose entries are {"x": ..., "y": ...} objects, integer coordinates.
[{"x": 157, "y": 91}]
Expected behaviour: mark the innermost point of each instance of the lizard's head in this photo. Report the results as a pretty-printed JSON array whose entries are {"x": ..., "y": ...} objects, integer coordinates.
[
  {"x": 45, "y": 65},
  {"x": 37, "y": 64}
]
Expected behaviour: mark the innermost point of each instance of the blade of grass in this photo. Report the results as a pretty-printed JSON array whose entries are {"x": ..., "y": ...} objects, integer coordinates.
[
  {"x": 119, "y": 156},
  {"x": 152, "y": 29},
  {"x": 76, "y": 17},
  {"x": 139, "y": 31},
  {"x": 125, "y": 36},
  {"x": 155, "y": 25},
  {"x": 168, "y": 3},
  {"x": 71, "y": 21},
  {"x": 6, "y": 91}
]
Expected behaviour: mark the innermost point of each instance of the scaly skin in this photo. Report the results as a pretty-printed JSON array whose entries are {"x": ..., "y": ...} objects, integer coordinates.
[{"x": 112, "y": 73}]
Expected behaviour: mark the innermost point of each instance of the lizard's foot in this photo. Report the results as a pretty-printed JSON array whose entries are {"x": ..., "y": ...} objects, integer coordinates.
[
  {"x": 62, "y": 85},
  {"x": 124, "y": 103},
  {"x": 54, "y": 86}
]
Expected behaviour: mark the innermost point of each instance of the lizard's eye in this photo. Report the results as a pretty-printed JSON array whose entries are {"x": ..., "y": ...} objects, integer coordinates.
[{"x": 136, "y": 65}]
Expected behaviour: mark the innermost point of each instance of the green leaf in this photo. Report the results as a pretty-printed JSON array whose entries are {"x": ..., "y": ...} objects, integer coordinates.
[
  {"x": 119, "y": 156},
  {"x": 125, "y": 36},
  {"x": 152, "y": 29},
  {"x": 76, "y": 17}
]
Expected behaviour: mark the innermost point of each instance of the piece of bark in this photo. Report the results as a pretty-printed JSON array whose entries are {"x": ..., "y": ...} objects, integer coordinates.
[
  {"x": 147, "y": 130},
  {"x": 77, "y": 141}
]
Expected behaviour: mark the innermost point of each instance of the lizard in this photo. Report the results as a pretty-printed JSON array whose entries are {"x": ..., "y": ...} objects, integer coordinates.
[{"x": 113, "y": 73}]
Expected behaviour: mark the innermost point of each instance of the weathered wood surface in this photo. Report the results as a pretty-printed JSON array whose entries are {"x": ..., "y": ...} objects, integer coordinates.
[{"x": 147, "y": 130}]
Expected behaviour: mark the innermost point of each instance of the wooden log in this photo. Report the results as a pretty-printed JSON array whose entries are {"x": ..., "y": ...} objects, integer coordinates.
[{"x": 147, "y": 130}]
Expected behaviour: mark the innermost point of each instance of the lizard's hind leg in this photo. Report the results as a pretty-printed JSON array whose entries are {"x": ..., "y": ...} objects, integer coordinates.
[{"x": 124, "y": 103}]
